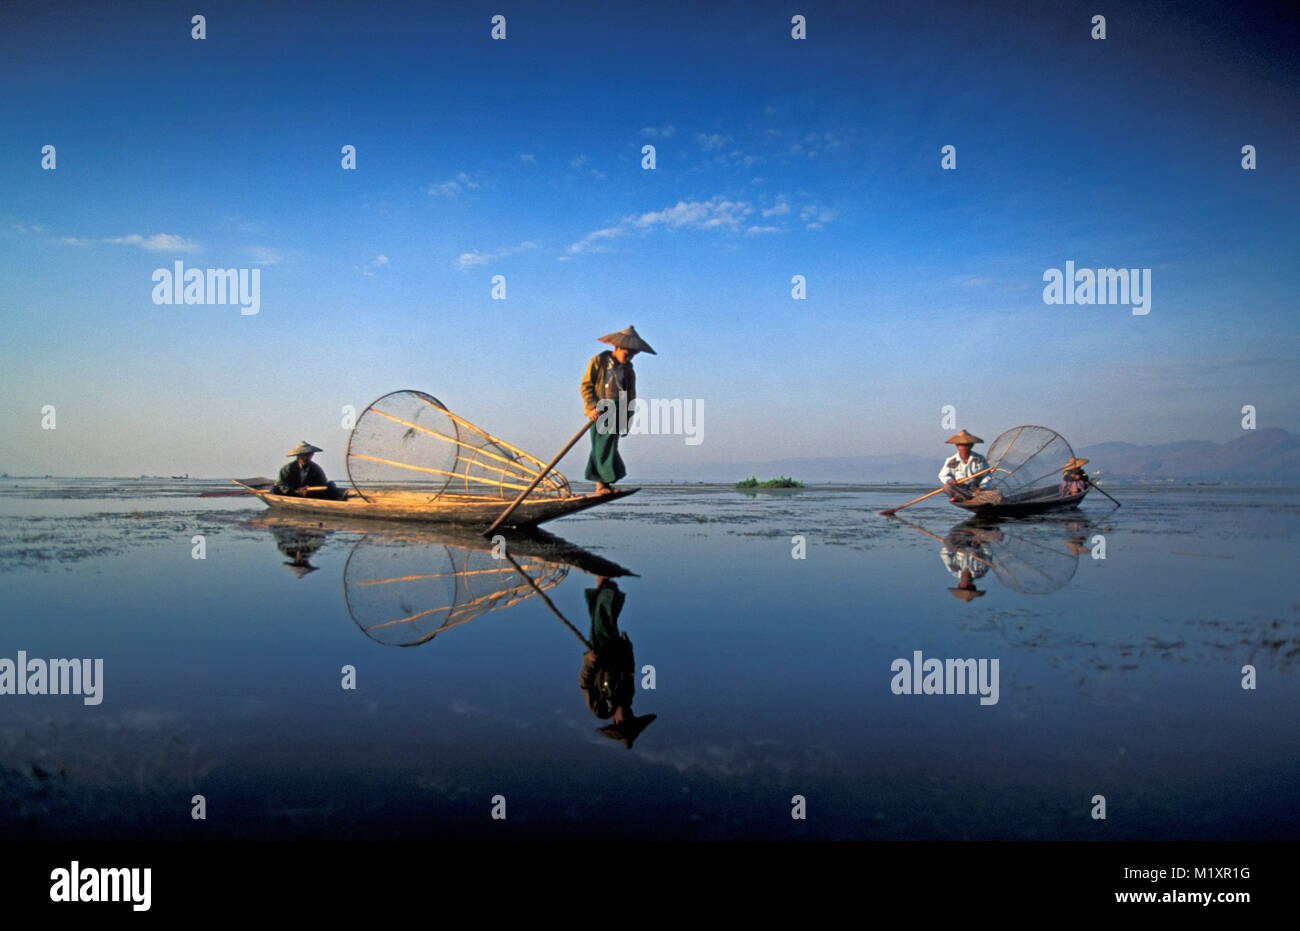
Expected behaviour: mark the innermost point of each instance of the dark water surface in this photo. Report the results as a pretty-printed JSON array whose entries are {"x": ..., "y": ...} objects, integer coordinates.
[{"x": 1119, "y": 677}]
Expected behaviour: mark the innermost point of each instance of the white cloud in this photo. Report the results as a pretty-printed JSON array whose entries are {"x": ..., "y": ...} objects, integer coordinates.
[
  {"x": 264, "y": 255},
  {"x": 780, "y": 209},
  {"x": 462, "y": 182},
  {"x": 159, "y": 242},
  {"x": 712, "y": 142},
  {"x": 716, "y": 213},
  {"x": 815, "y": 217},
  {"x": 528, "y": 158},
  {"x": 814, "y": 144},
  {"x": 756, "y": 230},
  {"x": 659, "y": 132},
  {"x": 467, "y": 260},
  {"x": 582, "y": 163},
  {"x": 379, "y": 261}
]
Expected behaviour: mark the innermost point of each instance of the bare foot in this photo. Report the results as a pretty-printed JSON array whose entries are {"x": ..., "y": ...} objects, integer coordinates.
[{"x": 603, "y": 489}]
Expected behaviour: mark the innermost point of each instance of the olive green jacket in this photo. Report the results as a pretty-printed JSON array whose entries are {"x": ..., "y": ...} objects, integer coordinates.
[{"x": 600, "y": 381}]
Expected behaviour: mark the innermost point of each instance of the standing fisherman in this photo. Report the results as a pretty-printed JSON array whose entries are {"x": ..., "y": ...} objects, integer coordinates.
[
  {"x": 611, "y": 379},
  {"x": 962, "y": 466}
]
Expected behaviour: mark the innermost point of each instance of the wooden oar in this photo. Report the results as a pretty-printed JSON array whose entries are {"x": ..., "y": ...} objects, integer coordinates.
[
  {"x": 908, "y": 523},
  {"x": 537, "y": 481},
  {"x": 245, "y": 488},
  {"x": 1092, "y": 484},
  {"x": 890, "y": 512},
  {"x": 554, "y": 610}
]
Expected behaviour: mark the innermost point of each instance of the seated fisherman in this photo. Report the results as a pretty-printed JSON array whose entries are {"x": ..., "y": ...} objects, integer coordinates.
[
  {"x": 304, "y": 478},
  {"x": 962, "y": 466},
  {"x": 1074, "y": 480}
]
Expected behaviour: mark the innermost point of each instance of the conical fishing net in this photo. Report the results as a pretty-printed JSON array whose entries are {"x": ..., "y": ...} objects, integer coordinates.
[
  {"x": 402, "y": 592},
  {"x": 1027, "y": 465},
  {"x": 1033, "y": 559},
  {"x": 408, "y": 441}
]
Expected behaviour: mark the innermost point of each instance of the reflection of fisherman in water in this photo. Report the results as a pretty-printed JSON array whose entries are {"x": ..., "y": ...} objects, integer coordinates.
[
  {"x": 965, "y": 555},
  {"x": 608, "y": 675},
  {"x": 1076, "y": 536},
  {"x": 298, "y": 544}
]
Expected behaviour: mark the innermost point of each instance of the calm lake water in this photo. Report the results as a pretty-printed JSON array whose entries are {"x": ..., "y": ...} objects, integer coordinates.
[{"x": 223, "y": 676}]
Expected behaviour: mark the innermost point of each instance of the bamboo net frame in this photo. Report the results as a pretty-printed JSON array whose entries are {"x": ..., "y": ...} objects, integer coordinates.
[
  {"x": 404, "y": 594},
  {"x": 1027, "y": 462},
  {"x": 409, "y": 441}
]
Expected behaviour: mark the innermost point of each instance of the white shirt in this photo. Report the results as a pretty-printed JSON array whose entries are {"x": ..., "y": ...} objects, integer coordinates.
[
  {"x": 954, "y": 470},
  {"x": 957, "y": 561}
]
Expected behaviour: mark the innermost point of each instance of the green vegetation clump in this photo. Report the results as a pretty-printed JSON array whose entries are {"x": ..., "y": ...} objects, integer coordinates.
[{"x": 780, "y": 482}]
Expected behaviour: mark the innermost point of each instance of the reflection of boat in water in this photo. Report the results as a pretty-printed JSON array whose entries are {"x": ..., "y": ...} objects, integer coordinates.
[
  {"x": 405, "y": 585},
  {"x": 1033, "y": 557}
]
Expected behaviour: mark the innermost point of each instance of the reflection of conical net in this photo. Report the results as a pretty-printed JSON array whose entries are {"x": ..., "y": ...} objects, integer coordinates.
[
  {"x": 408, "y": 441},
  {"x": 1032, "y": 559},
  {"x": 403, "y": 594},
  {"x": 1027, "y": 463}
]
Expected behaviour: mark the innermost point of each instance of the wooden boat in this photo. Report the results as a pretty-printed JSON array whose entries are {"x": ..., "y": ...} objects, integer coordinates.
[
  {"x": 1036, "y": 502},
  {"x": 411, "y": 459},
  {"x": 1026, "y": 467},
  {"x": 463, "y": 510}
]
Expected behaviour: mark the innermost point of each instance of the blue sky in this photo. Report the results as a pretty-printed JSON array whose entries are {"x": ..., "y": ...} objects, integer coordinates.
[{"x": 522, "y": 158}]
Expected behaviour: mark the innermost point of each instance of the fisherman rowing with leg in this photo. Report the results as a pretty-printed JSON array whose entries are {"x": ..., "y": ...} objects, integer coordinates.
[{"x": 608, "y": 390}]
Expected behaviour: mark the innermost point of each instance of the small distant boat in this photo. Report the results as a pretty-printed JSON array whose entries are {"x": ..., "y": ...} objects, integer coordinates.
[{"x": 411, "y": 459}]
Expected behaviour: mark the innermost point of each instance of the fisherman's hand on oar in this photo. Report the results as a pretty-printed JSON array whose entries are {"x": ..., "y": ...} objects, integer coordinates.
[{"x": 592, "y": 414}]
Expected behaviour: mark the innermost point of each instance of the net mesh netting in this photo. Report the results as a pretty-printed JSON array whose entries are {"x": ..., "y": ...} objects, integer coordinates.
[
  {"x": 1027, "y": 465},
  {"x": 404, "y": 593},
  {"x": 408, "y": 441},
  {"x": 1033, "y": 560}
]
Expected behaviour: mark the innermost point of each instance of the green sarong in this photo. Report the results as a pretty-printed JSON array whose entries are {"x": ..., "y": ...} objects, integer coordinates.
[{"x": 604, "y": 464}]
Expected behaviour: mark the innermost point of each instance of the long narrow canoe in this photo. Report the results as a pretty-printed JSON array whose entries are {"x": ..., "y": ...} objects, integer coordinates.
[
  {"x": 1033, "y": 503},
  {"x": 463, "y": 510}
]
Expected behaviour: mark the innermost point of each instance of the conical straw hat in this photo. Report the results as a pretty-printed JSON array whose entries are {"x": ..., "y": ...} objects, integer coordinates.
[
  {"x": 1075, "y": 463},
  {"x": 964, "y": 438},
  {"x": 628, "y": 339},
  {"x": 303, "y": 449},
  {"x": 629, "y": 730}
]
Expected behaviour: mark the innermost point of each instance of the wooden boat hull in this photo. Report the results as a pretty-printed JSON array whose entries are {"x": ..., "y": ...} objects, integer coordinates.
[
  {"x": 461, "y": 510},
  {"x": 1022, "y": 508}
]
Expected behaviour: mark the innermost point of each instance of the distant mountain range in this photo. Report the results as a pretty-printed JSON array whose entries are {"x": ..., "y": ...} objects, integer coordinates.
[{"x": 1259, "y": 457}]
